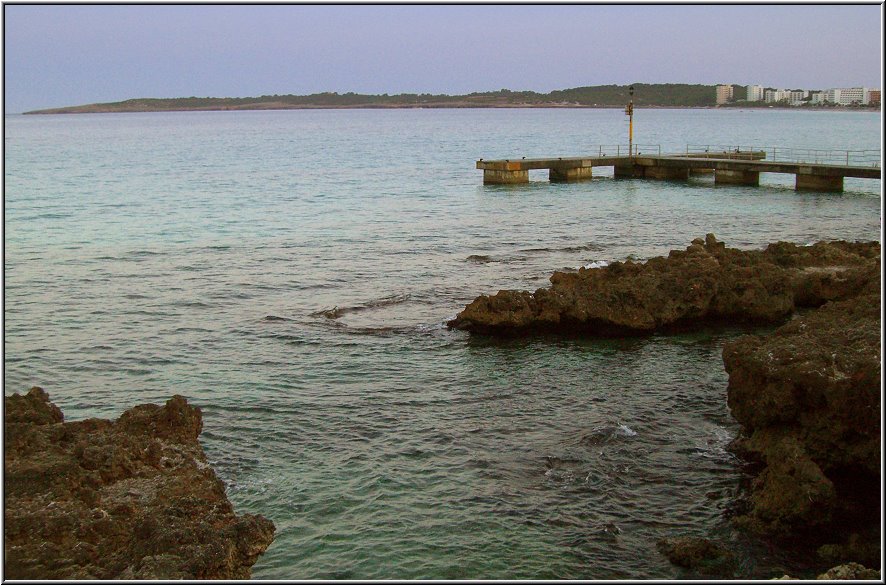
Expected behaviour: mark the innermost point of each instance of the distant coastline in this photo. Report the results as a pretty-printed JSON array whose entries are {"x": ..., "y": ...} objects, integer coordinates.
[
  {"x": 97, "y": 109},
  {"x": 260, "y": 106},
  {"x": 601, "y": 97}
]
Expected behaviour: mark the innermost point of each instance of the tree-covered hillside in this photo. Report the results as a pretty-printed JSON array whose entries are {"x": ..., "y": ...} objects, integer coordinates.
[
  {"x": 666, "y": 94},
  {"x": 659, "y": 94}
]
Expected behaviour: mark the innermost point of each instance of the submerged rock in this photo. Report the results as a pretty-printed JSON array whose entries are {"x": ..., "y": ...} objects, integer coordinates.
[
  {"x": 808, "y": 399},
  {"x": 126, "y": 499},
  {"x": 705, "y": 282},
  {"x": 700, "y": 554}
]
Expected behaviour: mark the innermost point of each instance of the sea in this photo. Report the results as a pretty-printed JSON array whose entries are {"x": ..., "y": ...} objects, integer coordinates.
[{"x": 291, "y": 273}]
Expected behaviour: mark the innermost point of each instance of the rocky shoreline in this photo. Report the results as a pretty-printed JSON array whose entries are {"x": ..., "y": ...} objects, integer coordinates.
[
  {"x": 127, "y": 499},
  {"x": 136, "y": 499},
  {"x": 807, "y": 395},
  {"x": 705, "y": 283},
  {"x": 808, "y": 399}
]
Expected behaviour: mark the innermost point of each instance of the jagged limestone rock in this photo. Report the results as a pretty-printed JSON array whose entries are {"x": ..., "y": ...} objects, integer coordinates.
[{"x": 126, "y": 499}]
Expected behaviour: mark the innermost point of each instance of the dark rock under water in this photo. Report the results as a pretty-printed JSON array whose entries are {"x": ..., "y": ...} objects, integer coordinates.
[{"x": 696, "y": 553}]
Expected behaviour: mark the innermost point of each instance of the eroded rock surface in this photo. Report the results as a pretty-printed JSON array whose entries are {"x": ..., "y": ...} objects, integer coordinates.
[
  {"x": 847, "y": 572},
  {"x": 126, "y": 499},
  {"x": 705, "y": 282},
  {"x": 807, "y": 396},
  {"x": 808, "y": 399}
]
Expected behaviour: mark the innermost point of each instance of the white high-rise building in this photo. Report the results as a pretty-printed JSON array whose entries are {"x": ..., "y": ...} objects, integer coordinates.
[
  {"x": 853, "y": 95},
  {"x": 831, "y": 96},
  {"x": 755, "y": 93},
  {"x": 774, "y": 95},
  {"x": 847, "y": 96},
  {"x": 796, "y": 96}
]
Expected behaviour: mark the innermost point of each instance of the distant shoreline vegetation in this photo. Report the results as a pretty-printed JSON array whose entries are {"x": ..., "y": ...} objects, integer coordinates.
[{"x": 664, "y": 95}]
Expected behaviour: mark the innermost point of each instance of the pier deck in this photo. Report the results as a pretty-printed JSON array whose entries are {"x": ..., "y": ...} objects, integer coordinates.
[
  {"x": 728, "y": 167},
  {"x": 561, "y": 169}
]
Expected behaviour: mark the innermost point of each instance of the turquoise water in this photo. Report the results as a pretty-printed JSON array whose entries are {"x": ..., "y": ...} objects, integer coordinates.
[{"x": 290, "y": 273}]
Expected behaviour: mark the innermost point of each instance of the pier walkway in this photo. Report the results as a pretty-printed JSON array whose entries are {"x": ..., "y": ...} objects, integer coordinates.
[{"x": 816, "y": 170}]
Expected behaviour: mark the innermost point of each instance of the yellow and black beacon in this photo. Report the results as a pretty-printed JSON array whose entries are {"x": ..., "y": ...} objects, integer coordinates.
[{"x": 629, "y": 110}]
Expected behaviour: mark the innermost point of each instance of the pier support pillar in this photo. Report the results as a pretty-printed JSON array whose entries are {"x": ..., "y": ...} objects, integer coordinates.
[
  {"x": 491, "y": 177},
  {"x": 818, "y": 183},
  {"x": 723, "y": 177},
  {"x": 629, "y": 172},
  {"x": 700, "y": 172},
  {"x": 574, "y": 174},
  {"x": 667, "y": 173}
]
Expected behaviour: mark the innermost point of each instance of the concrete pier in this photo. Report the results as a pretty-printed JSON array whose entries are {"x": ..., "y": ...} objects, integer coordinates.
[
  {"x": 510, "y": 171},
  {"x": 496, "y": 177},
  {"x": 729, "y": 168},
  {"x": 664, "y": 173},
  {"x": 562, "y": 175},
  {"x": 727, "y": 177},
  {"x": 810, "y": 182},
  {"x": 629, "y": 171}
]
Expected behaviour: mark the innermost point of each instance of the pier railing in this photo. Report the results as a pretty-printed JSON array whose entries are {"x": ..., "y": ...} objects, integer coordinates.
[
  {"x": 625, "y": 150},
  {"x": 850, "y": 158}
]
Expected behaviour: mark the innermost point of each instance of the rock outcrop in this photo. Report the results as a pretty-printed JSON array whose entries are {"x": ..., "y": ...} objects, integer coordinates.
[
  {"x": 807, "y": 396},
  {"x": 849, "y": 572},
  {"x": 126, "y": 499},
  {"x": 706, "y": 282},
  {"x": 808, "y": 399}
]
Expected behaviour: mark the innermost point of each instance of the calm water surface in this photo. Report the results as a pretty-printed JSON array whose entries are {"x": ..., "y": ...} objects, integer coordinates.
[{"x": 204, "y": 253}]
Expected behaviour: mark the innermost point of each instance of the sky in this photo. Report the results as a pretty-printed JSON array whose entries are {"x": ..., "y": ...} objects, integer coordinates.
[{"x": 62, "y": 55}]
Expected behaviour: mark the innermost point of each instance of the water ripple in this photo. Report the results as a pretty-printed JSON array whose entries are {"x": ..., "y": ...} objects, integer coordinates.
[{"x": 213, "y": 255}]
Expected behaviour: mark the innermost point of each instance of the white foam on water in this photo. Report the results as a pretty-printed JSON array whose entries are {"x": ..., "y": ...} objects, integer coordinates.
[
  {"x": 716, "y": 445},
  {"x": 626, "y": 431},
  {"x": 597, "y": 264}
]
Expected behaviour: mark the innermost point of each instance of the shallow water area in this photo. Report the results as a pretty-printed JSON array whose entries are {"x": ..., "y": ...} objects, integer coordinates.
[{"x": 291, "y": 273}]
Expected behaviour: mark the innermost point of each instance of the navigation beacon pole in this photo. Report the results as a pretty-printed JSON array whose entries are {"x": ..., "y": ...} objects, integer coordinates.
[{"x": 629, "y": 110}]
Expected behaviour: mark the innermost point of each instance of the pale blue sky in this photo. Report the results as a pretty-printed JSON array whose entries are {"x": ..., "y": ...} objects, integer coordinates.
[{"x": 67, "y": 55}]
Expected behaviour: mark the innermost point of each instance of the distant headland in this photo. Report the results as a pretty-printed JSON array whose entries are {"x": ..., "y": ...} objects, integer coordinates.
[{"x": 663, "y": 95}]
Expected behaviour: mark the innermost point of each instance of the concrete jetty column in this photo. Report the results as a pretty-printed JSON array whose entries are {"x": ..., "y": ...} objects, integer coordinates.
[
  {"x": 700, "y": 172},
  {"x": 493, "y": 177},
  {"x": 629, "y": 171},
  {"x": 808, "y": 182},
  {"x": 724, "y": 177},
  {"x": 666, "y": 173},
  {"x": 574, "y": 174}
]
